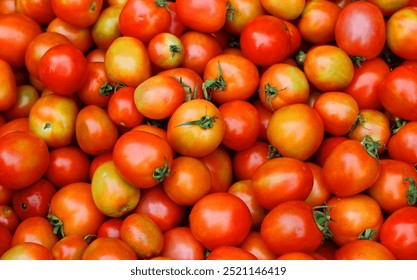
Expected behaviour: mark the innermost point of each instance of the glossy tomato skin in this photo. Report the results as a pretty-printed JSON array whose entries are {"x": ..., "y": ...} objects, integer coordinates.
[
  {"x": 255, "y": 245},
  {"x": 106, "y": 29},
  {"x": 27, "y": 251},
  {"x": 401, "y": 144},
  {"x": 290, "y": 227},
  {"x": 246, "y": 162},
  {"x": 19, "y": 124},
  {"x": 17, "y": 170},
  {"x": 326, "y": 147},
  {"x": 245, "y": 11},
  {"x": 82, "y": 13},
  {"x": 230, "y": 253},
  {"x": 8, "y": 218},
  {"x": 220, "y": 219},
  {"x": 41, "y": 11},
  {"x": 33, "y": 200},
  {"x": 399, "y": 233},
  {"x": 364, "y": 250},
  {"x": 319, "y": 193},
  {"x": 70, "y": 247},
  {"x": 6, "y": 195},
  {"x": 166, "y": 50},
  {"x": 191, "y": 81},
  {"x": 265, "y": 40},
  {"x": 27, "y": 95},
  {"x": 122, "y": 109},
  {"x": 105, "y": 248},
  {"x": 8, "y": 88},
  {"x": 110, "y": 228},
  {"x": 180, "y": 244}
]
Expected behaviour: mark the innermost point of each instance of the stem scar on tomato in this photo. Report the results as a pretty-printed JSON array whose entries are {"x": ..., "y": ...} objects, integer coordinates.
[
  {"x": 230, "y": 11},
  {"x": 322, "y": 217},
  {"x": 398, "y": 123},
  {"x": 161, "y": 173},
  {"x": 57, "y": 224},
  {"x": 357, "y": 60},
  {"x": 217, "y": 84},
  {"x": 271, "y": 92}
]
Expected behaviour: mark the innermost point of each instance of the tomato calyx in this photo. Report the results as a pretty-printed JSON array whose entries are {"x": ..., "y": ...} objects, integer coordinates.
[
  {"x": 357, "y": 60},
  {"x": 359, "y": 121},
  {"x": 411, "y": 191},
  {"x": 398, "y": 124},
  {"x": 322, "y": 217},
  {"x": 300, "y": 57},
  {"x": 189, "y": 92},
  {"x": 57, "y": 224},
  {"x": 174, "y": 49},
  {"x": 371, "y": 146},
  {"x": 162, "y": 3},
  {"x": 234, "y": 42},
  {"x": 108, "y": 88},
  {"x": 161, "y": 173},
  {"x": 367, "y": 234},
  {"x": 273, "y": 152},
  {"x": 271, "y": 92},
  {"x": 216, "y": 84},
  {"x": 230, "y": 11},
  {"x": 205, "y": 122}
]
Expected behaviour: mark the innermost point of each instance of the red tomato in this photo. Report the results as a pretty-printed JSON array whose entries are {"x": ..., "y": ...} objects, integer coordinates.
[
  {"x": 230, "y": 253},
  {"x": 5, "y": 239},
  {"x": 265, "y": 40},
  {"x": 105, "y": 248},
  {"x": 20, "y": 124},
  {"x": 189, "y": 79},
  {"x": 319, "y": 193},
  {"x": 246, "y": 162},
  {"x": 176, "y": 27},
  {"x": 240, "y": 12},
  {"x": 326, "y": 147},
  {"x": 295, "y": 256},
  {"x": 153, "y": 17},
  {"x": 255, "y": 245},
  {"x": 27, "y": 251},
  {"x": 95, "y": 55},
  {"x": 8, "y": 89},
  {"x": 401, "y": 145},
  {"x": 106, "y": 29},
  {"x": 82, "y": 13},
  {"x": 290, "y": 227},
  {"x": 220, "y": 219},
  {"x": 264, "y": 116},
  {"x": 166, "y": 50},
  {"x": 41, "y": 10},
  {"x": 399, "y": 233},
  {"x": 33, "y": 200},
  {"x": 17, "y": 170},
  {"x": 26, "y": 96},
  {"x": 152, "y": 129},
  {"x": 122, "y": 108},
  {"x": 97, "y": 161},
  {"x": 6, "y": 195},
  {"x": 7, "y": 7},
  {"x": 8, "y": 218},
  {"x": 364, "y": 250},
  {"x": 194, "y": 14},
  {"x": 110, "y": 228},
  {"x": 69, "y": 247},
  {"x": 180, "y": 244}
]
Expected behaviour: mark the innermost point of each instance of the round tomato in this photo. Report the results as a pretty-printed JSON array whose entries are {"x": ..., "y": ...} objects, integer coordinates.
[
  {"x": 122, "y": 109},
  {"x": 82, "y": 13},
  {"x": 166, "y": 50},
  {"x": 27, "y": 251},
  {"x": 180, "y": 244},
  {"x": 363, "y": 250},
  {"x": 255, "y": 245},
  {"x": 70, "y": 247},
  {"x": 240, "y": 12},
  {"x": 246, "y": 162},
  {"x": 8, "y": 89},
  {"x": 41, "y": 11},
  {"x": 26, "y": 96},
  {"x": 176, "y": 27},
  {"x": 110, "y": 228},
  {"x": 326, "y": 147},
  {"x": 105, "y": 248},
  {"x": 8, "y": 218},
  {"x": 402, "y": 142},
  {"x": 106, "y": 29}
]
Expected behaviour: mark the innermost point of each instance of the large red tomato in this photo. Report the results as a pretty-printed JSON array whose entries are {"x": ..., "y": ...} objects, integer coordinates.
[
  {"x": 82, "y": 13},
  {"x": 69, "y": 247},
  {"x": 180, "y": 244}
]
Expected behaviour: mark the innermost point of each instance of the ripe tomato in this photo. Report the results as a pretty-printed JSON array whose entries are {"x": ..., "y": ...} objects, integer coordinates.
[
  {"x": 399, "y": 233},
  {"x": 296, "y": 130},
  {"x": 289, "y": 10},
  {"x": 26, "y": 96},
  {"x": 166, "y": 50},
  {"x": 283, "y": 84},
  {"x": 363, "y": 250},
  {"x": 95, "y": 55},
  {"x": 112, "y": 195},
  {"x": 73, "y": 211},
  {"x": 319, "y": 193},
  {"x": 8, "y": 218},
  {"x": 27, "y": 251},
  {"x": 230, "y": 253},
  {"x": 110, "y": 228},
  {"x": 5, "y": 239},
  {"x": 127, "y": 49},
  {"x": 142, "y": 235},
  {"x": 33, "y": 200},
  {"x": 155, "y": 203},
  {"x": 240, "y": 12},
  {"x": 176, "y": 27},
  {"x": 106, "y": 29},
  {"x": 153, "y": 17},
  {"x": 41, "y": 11},
  {"x": 264, "y": 116},
  {"x": 16, "y": 32},
  {"x": 189, "y": 79},
  {"x": 401, "y": 145},
  {"x": 8, "y": 89},
  {"x": 246, "y": 162},
  {"x": 105, "y": 248},
  {"x": 17, "y": 170},
  {"x": 229, "y": 77},
  {"x": 265, "y": 40},
  {"x": 196, "y": 128},
  {"x": 255, "y": 245},
  {"x": 152, "y": 129},
  {"x": 350, "y": 168},
  {"x": 194, "y": 14},
  {"x": 82, "y": 13},
  {"x": 70, "y": 247},
  {"x": 326, "y": 147},
  {"x": 352, "y": 217},
  {"x": 220, "y": 219},
  {"x": 93, "y": 122},
  {"x": 389, "y": 7},
  {"x": 180, "y": 244},
  {"x": 122, "y": 108},
  {"x": 290, "y": 227}
]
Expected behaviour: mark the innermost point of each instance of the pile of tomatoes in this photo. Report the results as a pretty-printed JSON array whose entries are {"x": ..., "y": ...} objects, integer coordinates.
[{"x": 216, "y": 129}]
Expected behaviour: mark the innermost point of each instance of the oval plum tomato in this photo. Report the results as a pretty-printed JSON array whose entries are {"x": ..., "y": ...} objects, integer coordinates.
[
  {"x": 338, "y": 110},
  {"x": 401, "y": 145},
  {"x": 41, "y": 11},
  {"x": 106, "y": 29},
  {"x": 37, "y": 230},
  {"x": 328, "y": 68},
  {"x": 8, "y": 89},
  {"x": 319, "y": 193},
  {"x": 365, "y": 83},
  {"x": 5, "y": 239},
  {"x": 397, "y": 92},
  {"x": 400, "y": 28},
  {"x": 265, "y": 40},
  {"x": 196, "y": 128},
  {"x": 365, "y": 42},
  {"x": 296, "y": 130},
  {"x": 33, "y": 200},
  {"x": 142, "y": 159},
  {"x": 244, "y": 190},
  {"x": 194, "y": 13},
  {"x": 166, "y": 51},
  {"x": 80, "y": 37},
  {"x": 156, "y": 204},
  {"x": 122, "y": 108},
  {"x": 62, "y": 69},
  {"x": 68, "y": 164},
  {"x": 159, "y": 96},
  {"x": 73, "y": 211},
  {"x": 399, "y": 233},
  {"x": 142, "y": 235},
  {"x": 396, "y": 185},
  {"x": 350, "y": 168},
  {"x": 199, "y": 48},
  {"x": 283, "y": 84},
  {"x": 189, "y": 79},
  {"x": 220, "y": 219},
  {"x": 82, "y": 13},
  {"x": 27, "y": 251},
  {"x": 290, "y": 227},
  {"x": 16, "y": 32},
  {"x": 318, "y": 20},
  {"x": 240, "y": 12},
  {"x": 180, "y": 244},
  {"x": 110, "y": 228},
  {"x": 70, "y": 247},
  {"x": 127, "y": 61},
  {"x": 354, "y": 217},
  {"x": 363, "y": 250},
  {"x": 5, "y": 195},
  {"x": 189, "y": 180},
  {"x": 245, "y": 162},
  {"x": 52, "y": 118},
  {"x": 26, "y": 96},
  {"x": 111, "y": 193},
  {"x": 105, "y": 248},
  {"x": 271, "y": 187},
  {"x": 17, "y": 170},
  {"x": 256, "y": 246},
  {"x": 94, "y": 130},
  {"x": 8, "y": 218},
  {"x": 242, "y": 126},
  {"x": 229, "y": 77},
  {"x": 152, "y": 16},
  {"x": 290, "y": 10},
  {"x": 230, "y": 253},
  {"x": 219, "y": 162}
]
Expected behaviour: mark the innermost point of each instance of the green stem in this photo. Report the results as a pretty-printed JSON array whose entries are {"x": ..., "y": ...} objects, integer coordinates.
[
  {"x": 273, "y": 152},
  {"x": 161, "y": 173},
  {"x": 271, "y": 92},
  {"x": 205, "y": 122},
  {"x": 398, "y": 124},
  {"x": 230, "y": 11},
  {"x": 108, "y": 88},
  {"x": 322, "y": 217},
  {"x": 58, "y": 226},
  {"x": 357, "y": 60},
  {"x": 371, "y": 146},
  {"x": 367, "y": 234},
  {"x": 174, "y": 49},
  {"x": 217, "y": 84},
  {"x": 300, "y": 57},
  {"x": 411, "y": 191}
]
